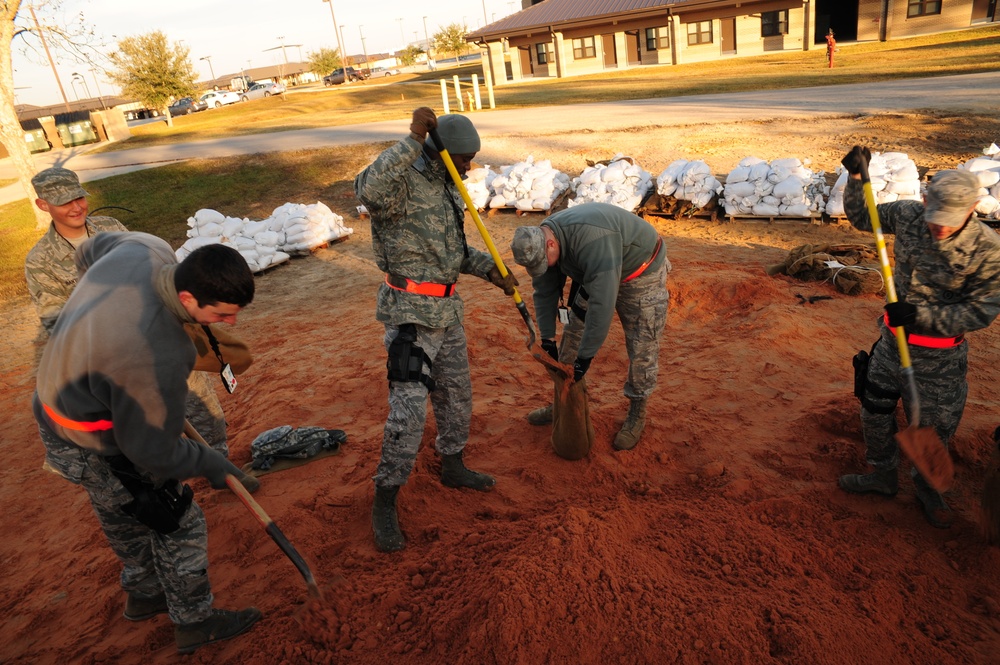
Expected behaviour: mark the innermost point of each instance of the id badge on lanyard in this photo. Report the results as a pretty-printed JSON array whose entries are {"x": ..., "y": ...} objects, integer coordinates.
[{"x": 228, "y": 378}]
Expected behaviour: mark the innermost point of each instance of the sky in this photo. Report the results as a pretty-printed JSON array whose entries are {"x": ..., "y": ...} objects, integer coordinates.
[{"x": 236, "y": 34}]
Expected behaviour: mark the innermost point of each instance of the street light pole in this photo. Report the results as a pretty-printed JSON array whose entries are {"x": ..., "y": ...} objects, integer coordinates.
[
  {"x": 364, "y": 50},
  {"x": 427, "y": 43},
  {"x": 100, "y": 95},
  {"x": 210, "y": 68},
  {"x": 485, "y": 19},
  {"x": 77, "y": 75},
  {"x": 45, "y": 45},
  {"x": 283, "y": 54}
]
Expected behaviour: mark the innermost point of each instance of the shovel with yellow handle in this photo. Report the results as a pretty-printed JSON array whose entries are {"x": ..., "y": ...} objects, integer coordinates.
[
  {"x": 537, "y": 352},
  {"x": 921, "y": 444}
]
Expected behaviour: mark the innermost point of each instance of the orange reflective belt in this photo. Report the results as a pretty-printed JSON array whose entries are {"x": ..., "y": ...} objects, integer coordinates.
[
  {"x": 94, "y": 426},
  {"x": 925, "y": 341},
  {"x": 641, "y": 269},
  {"x": 422, "y": 288}
]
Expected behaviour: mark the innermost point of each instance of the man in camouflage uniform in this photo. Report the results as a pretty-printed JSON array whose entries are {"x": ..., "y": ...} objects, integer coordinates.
[
  {"x": 418, "y": 237},
  {"x": 617, "y": 262},
  {"x": 51, "y": 276},
  {"x": 947, "y": 279},
  {"x": 109, "y": 404}
]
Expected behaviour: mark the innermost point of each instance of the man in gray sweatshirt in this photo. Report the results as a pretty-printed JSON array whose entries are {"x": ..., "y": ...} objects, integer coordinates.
[
  {"x": 617, "y": 262},
  {"x": 109, "y": 403}
]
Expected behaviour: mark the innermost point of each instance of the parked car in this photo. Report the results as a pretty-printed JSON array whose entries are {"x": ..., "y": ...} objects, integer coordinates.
[
  {"x": 336, "y": 77},
  {"x": 380, "y": 72},
  {"x": 258, "y": 90},
  {"x": 216, "y": 98},
  {"x": 186, "y": 106}
]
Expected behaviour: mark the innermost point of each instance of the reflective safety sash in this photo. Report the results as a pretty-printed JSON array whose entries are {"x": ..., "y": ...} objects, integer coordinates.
[
  {"x": 421, "y": 288},
  {"x": 93, "y": 426},
  {"x": 641, "y": 269},
  {"x": 925, "y": 341}
]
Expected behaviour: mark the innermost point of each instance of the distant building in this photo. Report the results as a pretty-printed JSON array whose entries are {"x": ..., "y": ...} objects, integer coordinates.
[{"x": 557, "y": 38}]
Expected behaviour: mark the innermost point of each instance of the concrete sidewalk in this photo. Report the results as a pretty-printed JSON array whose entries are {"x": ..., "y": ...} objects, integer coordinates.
[{"x": 955, "y": 93}]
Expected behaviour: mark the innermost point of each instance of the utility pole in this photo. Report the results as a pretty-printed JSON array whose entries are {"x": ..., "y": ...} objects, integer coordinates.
[
  {"x": 485, "y": 19},
  {"x": 340, "y": 40},
  {"x": 402, "y": 37},
  {"x": 48, "y": 55}
]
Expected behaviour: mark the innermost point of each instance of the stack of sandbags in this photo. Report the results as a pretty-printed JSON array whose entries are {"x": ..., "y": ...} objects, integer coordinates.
[
  {"x": 784, "y": 187},
  {"x": 987, "y": 169},
  {"x": 619, "y": 181},
  {"x": 292, "y": 228},
  {"x": 478, "y": 182},
  {"x": 689, "y": 181},
  {"x": 528, "y": 185},
  {"x": 301, "y": 227},
  {"x": 894, "y": 177}
]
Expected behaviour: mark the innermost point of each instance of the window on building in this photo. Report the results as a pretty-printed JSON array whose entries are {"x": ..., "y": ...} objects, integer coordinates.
[
  {"x": 699, "y": 32},
  {"x": 544, "y": 52},
  {"x": 774, "y": 23},
  {"x": 584, "y": 48},
  {"x": 657, "y": 38},
  {"x": 923, "y": 8}
]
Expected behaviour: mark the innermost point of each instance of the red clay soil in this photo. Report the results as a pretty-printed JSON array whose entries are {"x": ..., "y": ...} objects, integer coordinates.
[{"x": 722, "y": 538}]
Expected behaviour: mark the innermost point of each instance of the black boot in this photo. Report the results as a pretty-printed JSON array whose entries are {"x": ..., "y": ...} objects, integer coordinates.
[
  {"x": 885, "y": 482},
  {"x": 935, "y": 509},
  {"x": 220, "y": 625},
  {"x": 454, "y": 474},
  {"x": 385, "y": 522}
]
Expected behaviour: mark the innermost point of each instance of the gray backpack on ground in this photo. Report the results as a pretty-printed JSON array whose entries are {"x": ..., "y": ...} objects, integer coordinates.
[{"x": 287, "y": 442}]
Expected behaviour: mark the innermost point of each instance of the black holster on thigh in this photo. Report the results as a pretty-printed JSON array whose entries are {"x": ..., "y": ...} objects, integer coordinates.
[
  {"x": 406, "y": 359},
  {"x": 159, "y": 508},
  {"x": 865, "y": 392}
]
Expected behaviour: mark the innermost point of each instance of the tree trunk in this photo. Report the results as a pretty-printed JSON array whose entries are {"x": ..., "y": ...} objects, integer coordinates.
[
  {"x": 11, "y": 133},
  {"x": 170, "y": 118}
]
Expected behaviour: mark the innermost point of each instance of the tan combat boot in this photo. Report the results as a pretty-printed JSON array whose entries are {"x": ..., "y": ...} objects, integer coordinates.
[{"x": 632, "y": 428}]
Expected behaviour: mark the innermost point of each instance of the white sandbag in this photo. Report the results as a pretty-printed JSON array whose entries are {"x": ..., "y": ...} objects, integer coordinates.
[
  {"x": 739, "y": 174},
  {"x": 206, "y": 215},
  {"x": 900, "y": 188},
  {"x": 766, "y": 210},
  {"x": 232, "y": 227},
  {"x": 987, "y": 206},
  {"x": 988, "y": 178},
  {"x": 207, "y": 230},
  {"x": 979, "y": 164},
  {"x": 789, "y": 187},
  {"x": 269, "y": 238}
]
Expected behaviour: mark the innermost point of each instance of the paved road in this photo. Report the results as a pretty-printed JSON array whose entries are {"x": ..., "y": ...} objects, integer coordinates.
[{"x": 967, "y": 92}]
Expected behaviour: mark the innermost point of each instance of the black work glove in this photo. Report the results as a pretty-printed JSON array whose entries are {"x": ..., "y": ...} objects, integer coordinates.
[
  {"x": 856, "y": 159},
  {"x": 901, "y": 313},
  {"x": 506, "y": 283},
  {"x": 219, "y": 467},
  {"x": 424, "y": 121},
  {"x": 551, "y": 348},
  {"x": 580, "y": 368}
]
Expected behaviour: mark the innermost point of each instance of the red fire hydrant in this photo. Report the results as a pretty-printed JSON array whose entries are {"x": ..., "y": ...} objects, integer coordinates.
[{"x": 831, "y": 46}]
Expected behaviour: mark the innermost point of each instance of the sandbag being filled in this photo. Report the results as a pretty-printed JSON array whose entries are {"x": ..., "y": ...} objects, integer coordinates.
[{"x": 572, "y": 431}]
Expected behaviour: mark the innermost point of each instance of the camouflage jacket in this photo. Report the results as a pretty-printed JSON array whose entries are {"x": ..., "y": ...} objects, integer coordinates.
[
  {"x": 954, "y": 283},
  {"x": 417, "y": 217},
  {"x": 50, "y": 271}
]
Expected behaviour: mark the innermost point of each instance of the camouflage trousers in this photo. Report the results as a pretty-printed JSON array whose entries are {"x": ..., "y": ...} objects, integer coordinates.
[
  {"x": 175, "y": 564},
  {"x": 642, "y": 309},
  {"x": 451, "y": 400},
  {"x": 941, "y": 387},
  {"x": 203, "y": 409}
]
